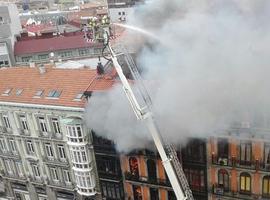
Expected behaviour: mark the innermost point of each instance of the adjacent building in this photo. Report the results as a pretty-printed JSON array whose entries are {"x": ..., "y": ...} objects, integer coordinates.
[
  {"x": 68, "y": 46},
  {"x": 240, "y": 164},
  {"x": 46, "y": 151},
  {"x": 10, "y": 28}
]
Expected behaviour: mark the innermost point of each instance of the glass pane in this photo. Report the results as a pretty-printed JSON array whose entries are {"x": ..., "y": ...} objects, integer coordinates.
[
  {"x": 242, "y": 183},
  {"x": 248, "y": 183}
]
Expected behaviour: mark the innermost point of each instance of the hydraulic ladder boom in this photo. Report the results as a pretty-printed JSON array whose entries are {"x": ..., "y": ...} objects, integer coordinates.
[{"x": 167, "y": 152}]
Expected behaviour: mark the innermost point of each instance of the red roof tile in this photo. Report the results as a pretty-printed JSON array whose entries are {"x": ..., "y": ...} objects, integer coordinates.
[
  {"x": 69, "y": 81},
  {"x": 51, "y": 44}
]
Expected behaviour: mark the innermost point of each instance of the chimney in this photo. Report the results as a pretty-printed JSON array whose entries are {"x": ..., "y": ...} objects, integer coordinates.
[{"x": 42, "y": 69}]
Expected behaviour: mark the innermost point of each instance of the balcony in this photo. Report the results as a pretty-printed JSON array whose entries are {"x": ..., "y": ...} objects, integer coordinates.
[
  {"x": 45, "y": 134},
  {"x": 55, "y": 161},
  {"x": 24, "y": 132},
  {"x": 147, "y": 180},
  {"x": 235, "y": 162},
  {"x": 226, "y": 192}
]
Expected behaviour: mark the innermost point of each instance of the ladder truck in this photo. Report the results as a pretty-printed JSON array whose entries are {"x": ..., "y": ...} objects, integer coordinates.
[{"x": 143, "y": 111}]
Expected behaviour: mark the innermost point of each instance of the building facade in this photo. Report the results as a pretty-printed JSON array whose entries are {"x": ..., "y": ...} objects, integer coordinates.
[
  {"x": 239, "y": 167},
  {"x": 145, "y": 177},
  {"x": 46, "y": 151}
]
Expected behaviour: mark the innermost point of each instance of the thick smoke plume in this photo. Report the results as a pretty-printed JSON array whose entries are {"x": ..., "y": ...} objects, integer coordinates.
[{"x": 210, "y": 69}]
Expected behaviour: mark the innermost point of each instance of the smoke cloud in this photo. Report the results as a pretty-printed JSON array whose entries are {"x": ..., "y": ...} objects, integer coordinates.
[{"x": 210, "y": 69}]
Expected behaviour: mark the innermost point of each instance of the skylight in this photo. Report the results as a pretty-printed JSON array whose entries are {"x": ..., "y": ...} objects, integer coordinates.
[
  {"x": 7, "y": 91},
  {"x": 54, "y": 93},
  {"x": 39, "y": 93},
  {"x": 19, "y": 92}
]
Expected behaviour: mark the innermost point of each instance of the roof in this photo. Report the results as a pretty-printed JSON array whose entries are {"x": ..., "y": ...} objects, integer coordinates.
[
  {"x": 52, "y": 44},
  {"x": 69, "y": 82}
]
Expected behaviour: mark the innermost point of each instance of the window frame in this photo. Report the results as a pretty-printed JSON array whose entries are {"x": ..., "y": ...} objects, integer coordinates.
[
  {"x": 247, "y": 177},
  {"x": 30, "y": 147}
]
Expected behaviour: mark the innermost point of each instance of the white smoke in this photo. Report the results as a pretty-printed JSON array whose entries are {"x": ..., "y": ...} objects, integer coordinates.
[{"x": 210, "y": 70}]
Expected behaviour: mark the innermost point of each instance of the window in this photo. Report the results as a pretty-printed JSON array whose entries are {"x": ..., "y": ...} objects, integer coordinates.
[
  {"x": 42, "y": 124},
  {"x": 79, "y": 154},
  {"x": 245, "y": 153},
  {"x": 79, "y": 96},
  {"x": 9, "y": 166},
  {"x": 12, "y": 145},
  {"x": 266, "y": 186},
  {"x": 1, "y": 19},
  {"x": 19, "y": 92},
  {"x": 61, "y": 150},
  {"x": 26, "y": 59},
  {"x": 23, "y": 121},
  {"x": 223, "y": 148},
  {"x": 154, "y": 194},
  {"x": 43, "y": 57},
  {"x": 267, "y": 153},
  {"x": 171, "y": 195},
  {"x": 245, "y": 183},
  {"x": 137, "y": 192},
  {"x": 55, "y": 125},
  {"x": 54, "y": 93},
  {"x": 195, "y": 151},
  {"x": 3, "y": 146},
  {"x": 67, "y": 178},
  {"x": 36, "y": 171},
  {"x": 7, "y": 92},
  {"x": 134, "y": 166},
  {"x": 223, "y": 179},
  {"x": 19, "y": 168},
  {"x": 74, "y": 133},
  {"x": 6, "y": 121},
  {"x": 119, "y": 13},
  {"x": 54, "y": 174},
  {"x": 83, "y": 52},
  {"x": 152, "y": 170},
  {"x": 39, "y": 93},
  {"x": 196, "y": 179},
  {"x": 49, "y": 150},
  {"x": 65, "y": 54},
  {"x": 123, "y": 13},
  {"x": 30, "y": 147}
]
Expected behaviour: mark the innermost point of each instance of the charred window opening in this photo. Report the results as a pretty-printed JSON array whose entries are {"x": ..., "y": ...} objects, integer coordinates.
[
  {"x": 196, "y": 179},
  {"x": 134, "y": 166},
  {"x": 223, "y": 179},
  {"x": 171, "y": 195},
  {"x": 223, "y": 148},
  {"x": 137, "y": 192},
  {"x": 152, "y": 171},
  {"x": 195, "y": 151},
  {"x": 154, "y": 194}
]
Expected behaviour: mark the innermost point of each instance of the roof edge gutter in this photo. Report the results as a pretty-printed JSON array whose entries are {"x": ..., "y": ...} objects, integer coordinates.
[{"x": 51, "y": 107}]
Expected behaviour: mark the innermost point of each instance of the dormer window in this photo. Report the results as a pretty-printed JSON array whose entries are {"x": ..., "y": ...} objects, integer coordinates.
[
  {"x": 7, "y": 92},
  {"x": 78, "y": 97},
  {"x": 54, "y": 93},
  {"x": 39, "y": 93},
  {"x": 19, "y": 92}
]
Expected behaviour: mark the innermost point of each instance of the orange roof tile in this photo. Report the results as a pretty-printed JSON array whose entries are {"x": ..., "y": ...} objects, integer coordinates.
[{"x": 69, "y": 81}]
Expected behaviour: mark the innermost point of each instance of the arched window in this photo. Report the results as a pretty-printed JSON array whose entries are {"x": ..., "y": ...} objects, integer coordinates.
[
  {"x": 266, "y": 186},
  {"x": 223, "y": 179},
  {"x": 134, "y": 166},
  {"x": 152, "y": 171},
  {"x": 245, "y": 183}
]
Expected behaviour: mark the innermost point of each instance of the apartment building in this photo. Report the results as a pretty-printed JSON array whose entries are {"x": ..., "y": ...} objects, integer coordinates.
[
  {"x": 239, "y": 164},
  {"x": 69, "y": 46},
  {"x": 10, "y": 27},
  {"x": 46, "y": 151},
  {"x": 146, "y": 179}
]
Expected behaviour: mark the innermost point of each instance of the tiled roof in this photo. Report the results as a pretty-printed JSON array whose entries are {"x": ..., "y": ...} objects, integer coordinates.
[
  {"x": 70, "y": 82},
  {"x": 52, "y": 44},
  {"x": 39, "y": 28}
]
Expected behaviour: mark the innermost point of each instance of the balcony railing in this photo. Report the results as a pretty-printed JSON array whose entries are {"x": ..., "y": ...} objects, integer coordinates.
[
  {"x": 227, "y": 192},
  {"x": 148, "y": 180},
  {"x": 235, "y": 162}
]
